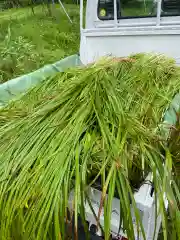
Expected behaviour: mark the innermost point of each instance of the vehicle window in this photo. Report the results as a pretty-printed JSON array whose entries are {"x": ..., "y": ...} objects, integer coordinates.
[
  {"x": 141, "y": 8},
  {"x": 137, "y": 8},
  {"x": 170, "y": 7},
  {"x": 106, "y": 9}
]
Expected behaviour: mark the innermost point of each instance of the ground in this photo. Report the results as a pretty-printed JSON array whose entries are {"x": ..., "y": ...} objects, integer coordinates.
[{"x": 29, "y": 41}]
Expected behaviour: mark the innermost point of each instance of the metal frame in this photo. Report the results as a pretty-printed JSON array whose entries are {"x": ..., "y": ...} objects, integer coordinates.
[
  {"x": 158, "y": 13},
  {"x": 81, "y": 14},
  {"x": 115, "y": 14},
  {"x": 64, "y": 9},
  {"x": 132, "y": 31}
]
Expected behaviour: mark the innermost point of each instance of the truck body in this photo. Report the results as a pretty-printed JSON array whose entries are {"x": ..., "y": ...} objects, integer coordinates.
[{"x": 112, "y": 28}]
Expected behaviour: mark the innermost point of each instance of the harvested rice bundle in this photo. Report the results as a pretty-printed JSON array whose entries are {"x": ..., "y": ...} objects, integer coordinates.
[{"x": 87, "y": 122}]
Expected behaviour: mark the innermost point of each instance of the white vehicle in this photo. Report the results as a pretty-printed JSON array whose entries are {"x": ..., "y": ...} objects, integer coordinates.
[{"x": 112, "y": 28}]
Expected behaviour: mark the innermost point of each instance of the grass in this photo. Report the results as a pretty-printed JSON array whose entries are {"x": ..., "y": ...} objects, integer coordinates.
[{"x": 27, "y": 41}]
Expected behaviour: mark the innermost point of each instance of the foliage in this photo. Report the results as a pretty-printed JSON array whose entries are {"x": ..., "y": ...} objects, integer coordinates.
[
  {"x": 30, "y": 41},
  {"x": 174, "y": 146},
  {"x": 5, "y": 4},
  {"x": 15, "y": 55},
  {"x": 97, "y": 121}
]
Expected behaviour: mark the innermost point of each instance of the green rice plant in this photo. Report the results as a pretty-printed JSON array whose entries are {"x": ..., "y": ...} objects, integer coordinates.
[
  {"x": 96, "y": 121},
  {"x": 174, "y": 146}
]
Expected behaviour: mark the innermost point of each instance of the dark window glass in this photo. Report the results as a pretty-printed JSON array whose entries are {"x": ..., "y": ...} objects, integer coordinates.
[
  {"x": 170, "y": 7},
  {"x": 137, "y": 8}
]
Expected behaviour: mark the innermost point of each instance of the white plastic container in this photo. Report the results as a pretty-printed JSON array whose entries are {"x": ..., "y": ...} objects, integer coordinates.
[{"x": 145, "y": 203}]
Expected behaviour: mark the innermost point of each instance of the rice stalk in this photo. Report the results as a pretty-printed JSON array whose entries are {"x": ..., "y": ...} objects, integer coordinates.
[{"x": 87, "y": 123}]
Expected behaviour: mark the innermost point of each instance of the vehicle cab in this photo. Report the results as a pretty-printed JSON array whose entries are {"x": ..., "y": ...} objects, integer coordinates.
[{"x": 123, "y": 27}]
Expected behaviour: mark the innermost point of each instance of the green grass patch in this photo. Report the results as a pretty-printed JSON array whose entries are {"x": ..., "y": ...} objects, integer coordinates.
[{"x": 28, "y": 41}]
